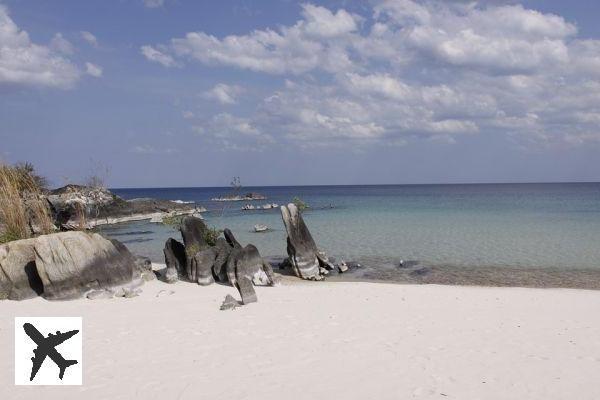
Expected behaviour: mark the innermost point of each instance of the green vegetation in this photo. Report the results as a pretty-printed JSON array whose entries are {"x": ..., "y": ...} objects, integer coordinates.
[
  {"x": 300, "y": 204},
  {"x": 8, "y": 237},
  {"x": 211, "y": 234},
  {"x": 191, "y": 250}
]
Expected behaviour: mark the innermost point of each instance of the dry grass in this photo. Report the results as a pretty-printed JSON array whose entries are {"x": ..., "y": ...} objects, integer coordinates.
[
  {"x": 81, "y": 217},
  {"x": 23, "y": 210}
]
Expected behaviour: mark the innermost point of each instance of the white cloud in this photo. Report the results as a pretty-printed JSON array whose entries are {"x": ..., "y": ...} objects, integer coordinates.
[
  {"x": 321, "y": 22},
  {"x": 93, "y": 70},
  {"x": 89, "y": 37},
  {"x": 502, "y": 38},
  {"x": 312, "y": 43},
  {"x": 62, "y": 45},
  {"x": 23, "y": 62},
  {"x": 223, "y": 93},
  {"x": 156, "y": 55},
  {"x": 154, "y": 3},
  {"x": 433, "y": 69}
]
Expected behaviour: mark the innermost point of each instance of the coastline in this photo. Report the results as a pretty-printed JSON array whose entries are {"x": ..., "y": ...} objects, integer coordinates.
[
  {"x": 419, "y": 274},
  {"x": 374, "y": 340}
]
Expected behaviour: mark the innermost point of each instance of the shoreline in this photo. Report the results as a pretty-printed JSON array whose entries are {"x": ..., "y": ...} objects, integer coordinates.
[
  {"x": 422, "y": 274},
  {"x": 589, "y": 282},
  {"x": 542, "y": 278},
  {"x": 384, "y": 341}
]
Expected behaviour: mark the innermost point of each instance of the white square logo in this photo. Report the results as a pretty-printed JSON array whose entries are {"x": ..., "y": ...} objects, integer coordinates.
[{"x": 48, "y": 350}]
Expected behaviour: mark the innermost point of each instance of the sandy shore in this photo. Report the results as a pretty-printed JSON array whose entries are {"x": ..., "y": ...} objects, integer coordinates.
[{"x": 328, "y": 340}]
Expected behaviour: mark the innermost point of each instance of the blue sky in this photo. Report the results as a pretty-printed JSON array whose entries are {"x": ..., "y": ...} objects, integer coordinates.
[{"x": 187, "y": 93}]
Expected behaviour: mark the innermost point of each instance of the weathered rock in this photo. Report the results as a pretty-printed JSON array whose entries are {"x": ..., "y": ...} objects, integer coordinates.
[
  {"x": 246, "y": 289},
  {"x": 64, "y": 266},
  {"x": 229, "y": 303},
  {"x": 131, "y": 292},
  {"x": 223, "y": 250},
  {"x": 202, "y": 266},
  {"x": 342, "y": 267},
  {"x": 71, "y": 263},
  {"x": 175, "y": 260},
  {"x": 247, "y": 262},
  {"x": 307, "y": 262},
  {"x": 193, "y": 231},
  {"x": 100, "y": 294},
  {"x": 75, "y": 206},
  {"x": 19, "y": 279},
  {"x": 144, "y": 264},
  {"x": 231, "y": 239}
]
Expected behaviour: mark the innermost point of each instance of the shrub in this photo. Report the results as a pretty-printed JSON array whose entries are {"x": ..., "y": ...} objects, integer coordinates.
[
  {"x": 211, "y": 234},
  {"x": 23, "y": 209},
  {"x": 300, "y": 204}
]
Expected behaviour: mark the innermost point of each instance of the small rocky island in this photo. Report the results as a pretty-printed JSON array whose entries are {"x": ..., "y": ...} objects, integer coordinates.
[{"x": 239, "y": 197}]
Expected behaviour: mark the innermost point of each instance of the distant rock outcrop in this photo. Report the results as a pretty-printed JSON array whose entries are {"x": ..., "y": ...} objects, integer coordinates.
[
  {"x": 303, "y": 255},
  {"x": 65, "y": 265},
  {"x": 237, "y": 197},
  {"x": 84, "y": 207}
]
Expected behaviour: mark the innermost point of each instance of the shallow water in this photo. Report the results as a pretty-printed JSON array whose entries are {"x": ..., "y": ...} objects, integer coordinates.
[{"x": 484, "y": 227}]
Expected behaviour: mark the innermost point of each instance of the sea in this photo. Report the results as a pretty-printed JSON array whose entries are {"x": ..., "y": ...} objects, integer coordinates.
[{"x": 534, "y": 234}]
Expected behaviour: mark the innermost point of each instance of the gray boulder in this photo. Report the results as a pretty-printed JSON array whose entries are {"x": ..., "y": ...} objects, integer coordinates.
[
  {"x": 247, "y": 262},
  {"x": 306, "y": 260},
  {"x": 64, "y": 266},
  {"x": 244, "y": 286},
  {"x": 229, "y": 303},
  {"x": 225, "y": 261},
  {"x": 223, "y": 250},
  {"x": 99, "y": 294},
  {"x": 71, "y": 263},
  {"x": 175, "y": 260},
  {"x": 19, "y": 279},
  {"x": 144, "y": 265},
  {"x": 231, "y": 240},
  {"x": 193, "y": 231},
  {"x": 202, "y": 266}
]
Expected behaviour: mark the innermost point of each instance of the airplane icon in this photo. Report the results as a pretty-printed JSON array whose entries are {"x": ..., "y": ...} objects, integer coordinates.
[{"x": 46, "y": 347}]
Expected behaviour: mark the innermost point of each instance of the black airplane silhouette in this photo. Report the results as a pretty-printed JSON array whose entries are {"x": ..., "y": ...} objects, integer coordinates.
[{"x": 46, "y": 347}]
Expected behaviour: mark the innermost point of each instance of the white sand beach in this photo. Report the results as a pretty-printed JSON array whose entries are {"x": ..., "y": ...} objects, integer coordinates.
[{"x": 327, "y": 340}]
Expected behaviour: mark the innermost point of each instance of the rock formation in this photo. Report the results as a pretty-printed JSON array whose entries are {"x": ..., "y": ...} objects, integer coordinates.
[
  {"x": 75, "y": 206},
  {"x": 306, "y": 260},
  {"x": 224, "y": 261},
  {"x": 64, "y": 266},
  {"x": 175, "y": 259}
]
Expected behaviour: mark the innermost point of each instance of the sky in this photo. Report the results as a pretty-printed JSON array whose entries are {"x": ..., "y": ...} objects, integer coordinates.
[{"x": 172, "y": 93}]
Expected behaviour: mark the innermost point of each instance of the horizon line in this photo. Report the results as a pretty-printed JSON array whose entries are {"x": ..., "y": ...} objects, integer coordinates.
[{"x": 366, "y": 184}]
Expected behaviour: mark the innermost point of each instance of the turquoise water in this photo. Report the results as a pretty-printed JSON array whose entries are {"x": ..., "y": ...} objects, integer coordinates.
[{"x": 553, "y": 226}]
